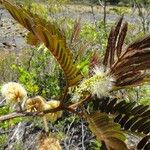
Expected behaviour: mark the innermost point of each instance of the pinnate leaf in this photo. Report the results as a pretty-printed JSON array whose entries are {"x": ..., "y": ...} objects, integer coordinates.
[
  {"x": 49, "y": 34},
  {"x": 106, "y": 130}
]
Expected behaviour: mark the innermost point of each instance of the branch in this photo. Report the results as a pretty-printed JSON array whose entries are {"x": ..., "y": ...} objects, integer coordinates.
[
  {"x": 14, "y": 115},
  {"x": 71, "y": 108},
  {"x": 27, "y": 114},
  {"x": 38, "y": 113},
  {"x": 78, "y": 104},
  {"x": 101, "y": 3},
  {"x": 64, "y": 95}
]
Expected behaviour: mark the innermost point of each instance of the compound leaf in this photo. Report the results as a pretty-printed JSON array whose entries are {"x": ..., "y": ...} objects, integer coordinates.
[
  {"x": 106, "y": 130},
  {"x": 49, "y": 34}
]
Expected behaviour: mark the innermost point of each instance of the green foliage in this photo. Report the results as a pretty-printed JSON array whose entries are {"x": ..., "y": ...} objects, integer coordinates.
[
  {"x": 55, "y": 6},
  {"x": 37, "y": 73},
  {"x": 39, "y": 9},
  {"x": 88, "y": 32},
  {"x": 95, "y": 145},
  {"x": 144, "y": 95},
  {"x": 4, "y": 110},
  {"x": 10, "y": 123},
  {"x": 27, "y": 79},
  {"x": 139, "y": 94},
  {"x": 6, "y": 60},
  {"x": 18, "y": 147},
  {"x": 120, "y": 10},
  {"x": 3, "y": 139}
]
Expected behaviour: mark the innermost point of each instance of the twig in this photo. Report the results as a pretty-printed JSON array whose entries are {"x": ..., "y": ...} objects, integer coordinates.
[
  {"x": 40, "y": 113},
  {"x": 45, "y": 124},
  {"x": 78, "y": 104},
  {"x": 97, "y": 26},
  {"x": 83, "y": 136},
  {"x": 67, "y": 145},
  {"x": 73, "y": 111},
  {"x": 30, "y": 60},
  {"x": 64, "y": 95},
  {"x": 104, "y": 13},
  {"x": 16, "y": 115},
  {"x": 101, "y": 3},
  {"x": 26, "y": 114},
  {"x": 2, "y": 101}
]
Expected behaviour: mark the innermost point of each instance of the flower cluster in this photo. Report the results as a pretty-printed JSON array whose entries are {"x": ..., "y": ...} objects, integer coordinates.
[
  {"x": 99, "y": 84},
  {"x": 40, "y": 104},
  {"x": 15, "y": 93}
]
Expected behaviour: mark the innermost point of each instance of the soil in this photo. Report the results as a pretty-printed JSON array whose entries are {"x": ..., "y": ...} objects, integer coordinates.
[{"x": 12, "y": 34}]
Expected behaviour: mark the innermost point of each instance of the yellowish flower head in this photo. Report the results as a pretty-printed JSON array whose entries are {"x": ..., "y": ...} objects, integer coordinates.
[
  {"x": 99, "y": 84},
  {"x": 48, "y": 143},
  {"x": 37, "y": 103},
  {"x": 53, "y": 103},
  {"x": 40, "y": 104},
  {"x": 13, "y": 92},
  {"x": 53, "y": 116}
]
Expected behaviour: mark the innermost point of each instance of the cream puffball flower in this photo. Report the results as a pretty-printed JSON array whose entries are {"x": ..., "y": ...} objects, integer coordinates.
[
  {"x": 99, "y": 84},
  {"x": 48, "y": 142},
  {"x": 53, "y": 116},
  {"x": 103, "y": 83},
  {"x": 37, "y": 103},
  {"x": 13, "y": 92}
]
